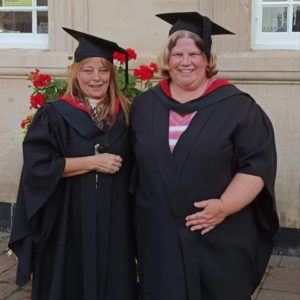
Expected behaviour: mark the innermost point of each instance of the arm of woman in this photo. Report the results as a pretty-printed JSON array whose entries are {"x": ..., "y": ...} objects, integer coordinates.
[
  {"x": 104, "y": 162},
  {"x": 240, "y": 192}
]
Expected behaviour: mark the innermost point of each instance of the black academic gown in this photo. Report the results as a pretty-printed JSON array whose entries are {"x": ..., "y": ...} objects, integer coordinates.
[
  {"x": 230, "y": 133},
  {"x": 75, "y": 237}
]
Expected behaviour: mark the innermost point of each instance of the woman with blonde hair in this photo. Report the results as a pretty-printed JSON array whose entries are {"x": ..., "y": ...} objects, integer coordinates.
[
  {"x": 72, "y": 225},
  {"x": 205, "y": 158}
]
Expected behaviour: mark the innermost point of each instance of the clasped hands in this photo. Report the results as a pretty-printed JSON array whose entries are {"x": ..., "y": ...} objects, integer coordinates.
[
  {"x": 212, "y": 214},
  {"x": 107, "y": 163}
]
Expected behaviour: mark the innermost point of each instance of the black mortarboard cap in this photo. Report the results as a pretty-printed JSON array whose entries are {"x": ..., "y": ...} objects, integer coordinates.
[
  {"x": 196, "y": 23},
  {"x": 93, "y": 46}
]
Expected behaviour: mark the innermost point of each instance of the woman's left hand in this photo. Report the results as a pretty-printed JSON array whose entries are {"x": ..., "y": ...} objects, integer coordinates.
[
  {"x": 240, "y": 192},
  {"x": 207, "y": 219}
]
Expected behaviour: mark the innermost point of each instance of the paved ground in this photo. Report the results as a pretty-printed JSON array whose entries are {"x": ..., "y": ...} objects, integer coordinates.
[{"x": 281, "y": 280}]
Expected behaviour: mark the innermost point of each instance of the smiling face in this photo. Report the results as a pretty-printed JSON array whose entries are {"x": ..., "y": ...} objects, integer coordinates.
[
  {"x": 93, "y": 78},
  {"x": 187, "y": 64}
]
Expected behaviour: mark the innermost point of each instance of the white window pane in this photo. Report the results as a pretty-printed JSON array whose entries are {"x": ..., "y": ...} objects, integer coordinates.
[
  {"x": 275, "y": 0},
  {"x": 16, "y": 3},
  {"x": 42, "y": 22},
  {"x": 15, "y": 22},
  {"x": 296, "y": 18},
  {"x": 274, "y": 19},
  {"x": 276, "y": 25},
  {"x": 42, "y": 2}
]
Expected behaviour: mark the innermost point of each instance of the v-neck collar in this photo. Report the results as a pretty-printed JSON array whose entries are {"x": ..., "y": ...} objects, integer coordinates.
[
  {"x": 81, "y": 122},
  {"x": 185, "y": 142},
  {"x": 204, "y": 109}
]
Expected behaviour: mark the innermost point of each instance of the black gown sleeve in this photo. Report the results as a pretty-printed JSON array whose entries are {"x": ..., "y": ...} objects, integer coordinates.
[
  {"x": 42, "y": 169},
  {"x": 255, "y": 154},
  {"x": 43, "y": 162}
]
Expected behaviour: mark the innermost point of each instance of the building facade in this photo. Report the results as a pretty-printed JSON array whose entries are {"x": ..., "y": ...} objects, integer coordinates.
[{"x": 262, "y": 58}]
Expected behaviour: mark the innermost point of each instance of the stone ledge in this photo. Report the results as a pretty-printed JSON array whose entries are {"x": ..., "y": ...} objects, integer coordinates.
[
  {"x": 274, "y": 65},
  {"x": 6, "y": 210},
  {"x": 260, "y": 61},
  {"x": 287, "y": 242},
  {"x": 54, "y": 62}
]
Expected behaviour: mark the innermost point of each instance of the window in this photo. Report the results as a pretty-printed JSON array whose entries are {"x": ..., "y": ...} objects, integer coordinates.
[
  {"x": 276, "y": 24},
  {"x": 24, "y": 24}
]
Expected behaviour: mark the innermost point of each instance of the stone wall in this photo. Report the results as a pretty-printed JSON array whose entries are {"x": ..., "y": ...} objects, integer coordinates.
[{"x": 271, "y": 77}]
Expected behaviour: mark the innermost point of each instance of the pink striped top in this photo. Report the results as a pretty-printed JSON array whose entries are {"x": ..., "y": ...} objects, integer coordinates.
[{"x": 178, "y": 124}]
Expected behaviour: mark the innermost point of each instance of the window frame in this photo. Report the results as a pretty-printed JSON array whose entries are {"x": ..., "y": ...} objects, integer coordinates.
[
  {"x": 25, "y": 40},
  {"x": 273, "y": 40}
]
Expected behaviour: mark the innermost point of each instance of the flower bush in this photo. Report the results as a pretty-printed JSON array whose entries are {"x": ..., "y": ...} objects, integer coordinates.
[
  {"x": 48, "y": 88},
  {"x": 143, "y": 74}
]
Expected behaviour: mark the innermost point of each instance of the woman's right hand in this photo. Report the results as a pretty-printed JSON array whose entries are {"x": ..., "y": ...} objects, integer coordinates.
[
  {"x": 107, "y": 163},
  {"x": 103, "y": 162}
]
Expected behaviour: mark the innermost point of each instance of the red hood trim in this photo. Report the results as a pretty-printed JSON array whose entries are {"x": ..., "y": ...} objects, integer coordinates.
[
  {"x": 74, "y": 102},
  {"x": 164, "y": 84}
]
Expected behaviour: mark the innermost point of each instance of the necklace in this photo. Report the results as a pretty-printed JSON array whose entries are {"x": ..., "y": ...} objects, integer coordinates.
[{"x": 101, "y": 124}]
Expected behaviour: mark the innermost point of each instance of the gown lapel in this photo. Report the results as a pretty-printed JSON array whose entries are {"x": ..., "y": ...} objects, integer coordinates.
[
  {"x": 167, "y": 168},
  {"x": 183, "y": 147}
]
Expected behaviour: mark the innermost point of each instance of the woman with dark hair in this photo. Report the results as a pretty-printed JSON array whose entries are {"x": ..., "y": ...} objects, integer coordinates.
[
  {"x": 72, "y": 224},
  {"x": 205, "y": 169}
]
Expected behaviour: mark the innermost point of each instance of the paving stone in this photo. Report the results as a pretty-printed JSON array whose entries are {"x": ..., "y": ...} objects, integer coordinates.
[
  {"x": 9, "y": 276},
  {"x": 275, "y": 295},
  {"x": 6, "y": 290},
  {"x": 21, "y": 294},
  {"x": 283, "y": 279},
  {"x": 260, "y": 285},
  {"x": 4, "y": 237},
  {"x": 275, "y": 260},
  {"x": 7, "y": 262},
  {"x": 3, "y": 247},
  {"x": 256, "y": 292},
  {"x": 27, "y": 287},
  {"x": 280, "y": 282},
  {"x": 290, "y": 262}
]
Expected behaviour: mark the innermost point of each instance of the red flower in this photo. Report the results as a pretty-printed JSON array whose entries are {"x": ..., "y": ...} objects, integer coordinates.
[
  {"x": 27, "y": 121},
  {"x": 131, "y": 54},
  {"x": 37, "y": 100},
  {"x": 153, "y": 66},
  {"x": 143, "y": 73},
  {"x": 40, "y": 80},
  {"x": 121, "y": 56},
  {"x": 24, "y": 123}
]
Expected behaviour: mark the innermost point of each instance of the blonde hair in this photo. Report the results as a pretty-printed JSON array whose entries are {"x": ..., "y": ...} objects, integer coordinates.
[
  {"x": 164, "y": 56},
  {"x": 106, "y": 107}
]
